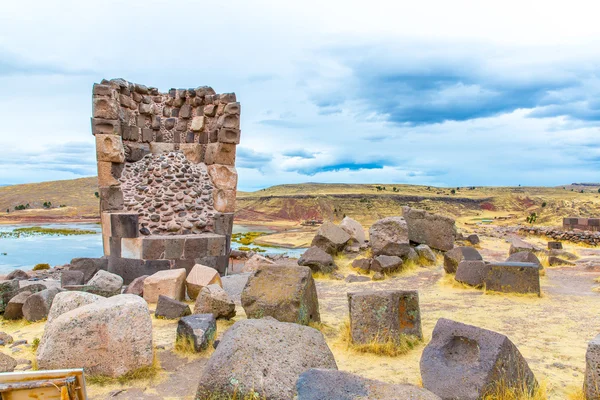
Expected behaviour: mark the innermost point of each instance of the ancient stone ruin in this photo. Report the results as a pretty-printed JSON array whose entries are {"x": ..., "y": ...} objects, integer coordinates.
[
  {"x": 584, "y": 224},
  {"x": 167, "y": 177}
]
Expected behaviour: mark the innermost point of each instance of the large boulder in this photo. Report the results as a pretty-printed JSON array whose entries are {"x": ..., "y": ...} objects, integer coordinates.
[
  {"x": 355, "y": 230},
  {"x": 8, "y": 295},
  {"x": 386, "y": 264},
  {"x": 389, "y": 237},
  {"x": 591, "y": 383},
  {"x": 255, "y": 262},
  {"x": 453, "y": 257},
  {"x": 67, "y": 301},
  {"x": 169, "y": 308},
  {"x": 37, "y": 306},
  {"x": 466, "y": 362},
  {"x": 17, "y": 274},
  {"x": 8, "y": 290},
  {"x": 201, "y": 276},
  {"x": 107, "y": 282},
  {"x": 363, "y": 264},
  {"x": 317, "y": 260},
  {"x": 525, "y": 257},
  {"x": 330, "y": 238},
  {"x": 197, "y": 331},
  {"x": 109, "y": 337},
  {"x": 287, "y": 294},
  {"x": 517, "y": 245},
  {"x": 266, "y": 356},
  {"x": 89, "y": 266},
  {"x": 324, "y": 384},
  {"x": 14, "y": 308},
  {"x": 513, "y": 277},
  {"x": 71, "y": 277},
  {"x": 214, "y": 300},
  {"x": 434, "y": 230},
  {"x": 384, "y": 315},
  {"x": 472, "y": 272},
  {"x": 170, "y": 283}
]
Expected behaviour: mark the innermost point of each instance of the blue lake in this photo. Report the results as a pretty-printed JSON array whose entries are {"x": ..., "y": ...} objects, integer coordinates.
[{"x": 26, "y": 252}]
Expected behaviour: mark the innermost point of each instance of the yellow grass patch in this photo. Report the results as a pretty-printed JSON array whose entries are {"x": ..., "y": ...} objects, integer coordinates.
[
  {"x": 391, "y": 347},
  {"x": 502, "y": 392},
  {"x": 147, "y": 373}
]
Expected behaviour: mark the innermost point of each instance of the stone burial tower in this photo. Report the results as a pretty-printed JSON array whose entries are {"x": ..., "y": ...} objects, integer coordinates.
[{"x": 167, "y": 178}]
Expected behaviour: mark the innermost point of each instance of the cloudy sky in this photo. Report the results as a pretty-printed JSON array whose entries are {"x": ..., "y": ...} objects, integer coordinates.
[{"x": 448, "y": 93}]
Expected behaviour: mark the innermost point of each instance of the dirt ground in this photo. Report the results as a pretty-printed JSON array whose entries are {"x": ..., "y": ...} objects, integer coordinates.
[{"x": 551, "y": 331}]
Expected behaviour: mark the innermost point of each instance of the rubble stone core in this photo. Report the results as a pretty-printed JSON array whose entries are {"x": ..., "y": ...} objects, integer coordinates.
[{"x": 166, "y": 172}]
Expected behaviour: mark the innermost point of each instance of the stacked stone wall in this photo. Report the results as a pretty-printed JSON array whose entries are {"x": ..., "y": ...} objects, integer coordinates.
[
  {"x": 575, "y": 236},
  {"x": 584, "y": 224}
]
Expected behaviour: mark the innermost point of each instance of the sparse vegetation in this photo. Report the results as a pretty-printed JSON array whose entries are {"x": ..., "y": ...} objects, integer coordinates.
[
  {"x": 390, "y": 347},
  {"x": 503, "y": 392},
  {"x": 40, "y": 231},
  {"x": 146, "y": 373},
  {"x": 42, "y": 266}
]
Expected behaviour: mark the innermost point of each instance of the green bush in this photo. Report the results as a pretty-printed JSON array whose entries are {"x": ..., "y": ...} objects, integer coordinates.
[{"x": 42, "y": 266}]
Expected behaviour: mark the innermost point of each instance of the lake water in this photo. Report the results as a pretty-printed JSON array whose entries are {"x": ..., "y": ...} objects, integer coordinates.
[{"x": 26, "y": 252}]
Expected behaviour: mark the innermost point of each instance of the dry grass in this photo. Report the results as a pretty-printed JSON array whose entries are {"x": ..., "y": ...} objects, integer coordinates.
[
  {"x": 252, "y": 395},
  {"x": 503, "y": 392},
  {"x": 576, "y": 394},
  {"x": 391, "y": 347},
  {"x": 146, "y": 373}
]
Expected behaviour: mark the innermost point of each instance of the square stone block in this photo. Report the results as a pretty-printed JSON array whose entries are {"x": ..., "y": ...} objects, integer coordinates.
[
  {"x": 192, "y": 151},
  {"x": 106, "y": 231},
  {"x": 105, "y": 108},
  {"x": 224, "y": 200},
  {"x": 223, "y": 223},
  {"x": 161, "y": 148},
  {"x": 379, "y": 316},
  {"x": 232, "y": 108},
  {"x": 195, "y": 246},
  {"x": 223, "y": 176},
  {"x": 229, "y": 135},
  {"x": 472, "y": 272},
  {"x": 594, "y": 222},
  {"x": 110, "y": 148},
  {"x": 131, "y": 133},
  {"x": 115, "y": 246},
  {"x": 111, "y": 198},
  {"x": 131, "y": 248},
  {"x": 174, "y": 247},
  {"x": 582, "y": 221},
  {"x": 105, "y": 126},
  {"x": 170, "y": 283},
  {"x": 197, "y": 123},
  {"x": 101, "y": 90},
  {"x": 153, "y": 247},
  {"x": 220, "y": 153},
  {"x": 513, "y": 277},
  {"x": 124, "y": 225},
  {"x": 109, "y": 173},
  {"x": 129, "y": 269},
  {"x": 136, "y": 151},
  {"x": 230, "y": 121}
]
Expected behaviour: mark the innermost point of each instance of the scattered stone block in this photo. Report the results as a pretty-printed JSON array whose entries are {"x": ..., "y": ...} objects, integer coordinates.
[
  {"x": 563, "y": 254},
  {"x": 110, "y": 148},
  {"x": 425, "y": 253},
  {"x": 279, "y": 351},
  {"x": 555, "y": 246},
  {"x": 197, "y": 329},
  {"x": 525, "y": 257},
  {"x": 386, "y": 264},
  {"x": 364, "y": 264},
  {"x": 212, "y": 299},
  {"x": 136, "y": 286},
  {"x": 89, "y": 266},
  {"x": 472, "y": 272},
  {"x": 357, "y": 278},
  {"x": 71, "y": 277},
  {"x": 255, "y": 262},
  {"x": 129, "y": 269},
  {"x": 591, "y": 383},
  {"x": 465, "y": 362},
  {"x": 473, "y": 239},
  {"x": 453, "y": 257},
  {"x": 192, "y": 152},
  {"x": 7, "y": 295},
  {"x": 199, "y": 277},
  {"x": 321, "y": 384},
  {"x": 170, "y": 283},
  {"x": 285, "y": 293},
  {"x": 14, "y": 308},
  {"x": 380, "y": 316},
  {"x": 513, "y": 277},
  {"x": 389, "y": 237},
  {"x": 17, "y": 274},
  {"x": 124, "y": 225},
  {"x": 330, "y": 238},
  {"x": 518, "y": 245},
  {"x": 169, "y": 308},
  {"x": 434, "y": 230},
  {"x": 107, "y": 282},
  {"x": 7, "y": 363},
  {"x": 105, "y": 127},
  {"x": 556, "y": 261},
  {"x": 66, "y": 301},
  {"x": 355, "y": 230},
  {"x": 37, "y": 306},
  {"x": 317, "y": 260},
  {"x": 109, "y": 337}
]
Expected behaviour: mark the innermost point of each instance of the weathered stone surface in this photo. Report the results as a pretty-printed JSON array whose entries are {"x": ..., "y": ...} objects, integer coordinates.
[
  {"x": 389, "y": 236},
  {"x": 554, "y": 261},
  {"x": 18, "y": 275},
  {"x": 105, "y": 108},
  {"x": 107, "y": 282},
  {"x": 220, "y": 153},
  {"x": 425, "y": 253},
  {"x": 386, "y": 264},
  {"x": 473, "y": 239},
  {"x": 324, "y": 384},
  {"x": 108, "y": 337},
  {"x": 224, "y": 200},
  {"x": 197, "y": 329},
  {"x": 379, "y": 316},
  {"x": 223, "y": 176},
  {"x": 356, "y": 278},
  {"x": 37, "y": 306},
  {"x": 10, "y": 289},
  {"x": 7, "y": 363},
  {"x": 137, "y": 286},
  {"x": 66, "y": 301},
  {"x": 434, "y": 230},
  {"x": 14, "y": 308},
  {"x": 513, "y": 277},
  {"x": 591, "y": 383},
  {"x": 71, "y": 277},
  {"x": 169, "y": 308},
  {"x": 472, "y": 272},
  {"x": 330, "y": 238},
  {"x": 212, "y": 299},
  {"x": 364, "y": 264},
  {"x": 465, "y": 362},
  {"x": 199, "y": 277},
  {"x": 285, "y": 293},
  {"x": 234, "y": 285},
  {"x": 317, "y": 260},
  {"x": 229, "y": 134},
  {"x": 89, "y": 266},
  {"x": 5, "y": 338},
  {"x": 555, "y": 246},
  {"x": 124, "y": 224},
  {"x": 170, "y": 283},
  {"x": 255, "y": 262},
  {"x": 355, "y": 230},
  {"x": 524, "y": 257},
  {"x": 279, "y": 351},
  {"x": 563, "y": 254},
  {"x": 110, "y": 148},
  {"x": 518, "y": 245},
  {"x": 130, "y": 269},
  {"x": 453, "y": 257}
]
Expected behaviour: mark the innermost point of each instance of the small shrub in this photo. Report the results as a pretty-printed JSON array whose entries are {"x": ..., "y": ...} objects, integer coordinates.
[
  {"x": 42, "y": 266},
  {"x": 97, "y": 195},
  {"x": 35, "y": 344}
]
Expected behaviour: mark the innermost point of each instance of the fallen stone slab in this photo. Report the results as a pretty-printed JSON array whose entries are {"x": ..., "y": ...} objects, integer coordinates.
[
  {"x": 66, "y": 301},
  {"x": 136, "y": 286},
  {"x": 201, "y": 276},
  {"x": 47, "y": 283},
  {"x": 214, "y": 300},
  {"x": 287, "y": 294},
  {"x": 434, "y": 230},
  {"x": 453, "y": 257},
  {"x": 14, "y": 308},
  {"x": 330, "y": 238},
  {"x": 170, "y": 283},
  {"x": 472, "y": 272},
  {"x": 322, "y": 384},
  {"x": 466, "y": 362},
  {"x": 37, "y": 306},
  {"x": 425, "y": 253},
  {"x": 389, "y": 236},
  {"x": 109, "y": 337},
  {"x": 197, "y": 330},
  {"x": 364, "y": 264},
  {"x": 89, "y": 266},
  {"x": 513, "y": 278},
  {"x": 386, "y": 264},
  {"x": 107, "y": 282},
  {"x": 279, "y": 353},
  {"x": 517, "y": 245},
  {"x": 317, "y": 260},
  {"x": 384, "y": 315},
  {"x": 169, "y": 308},
  {"x": 7, "y": 363},
  {"x": 563, "y": 254},
  {"x": 591, "y": 383},
  {"x": 526, "y": 257},
  {"x": 71, "y": 277},
  {"x": 556, "y": 261}
]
